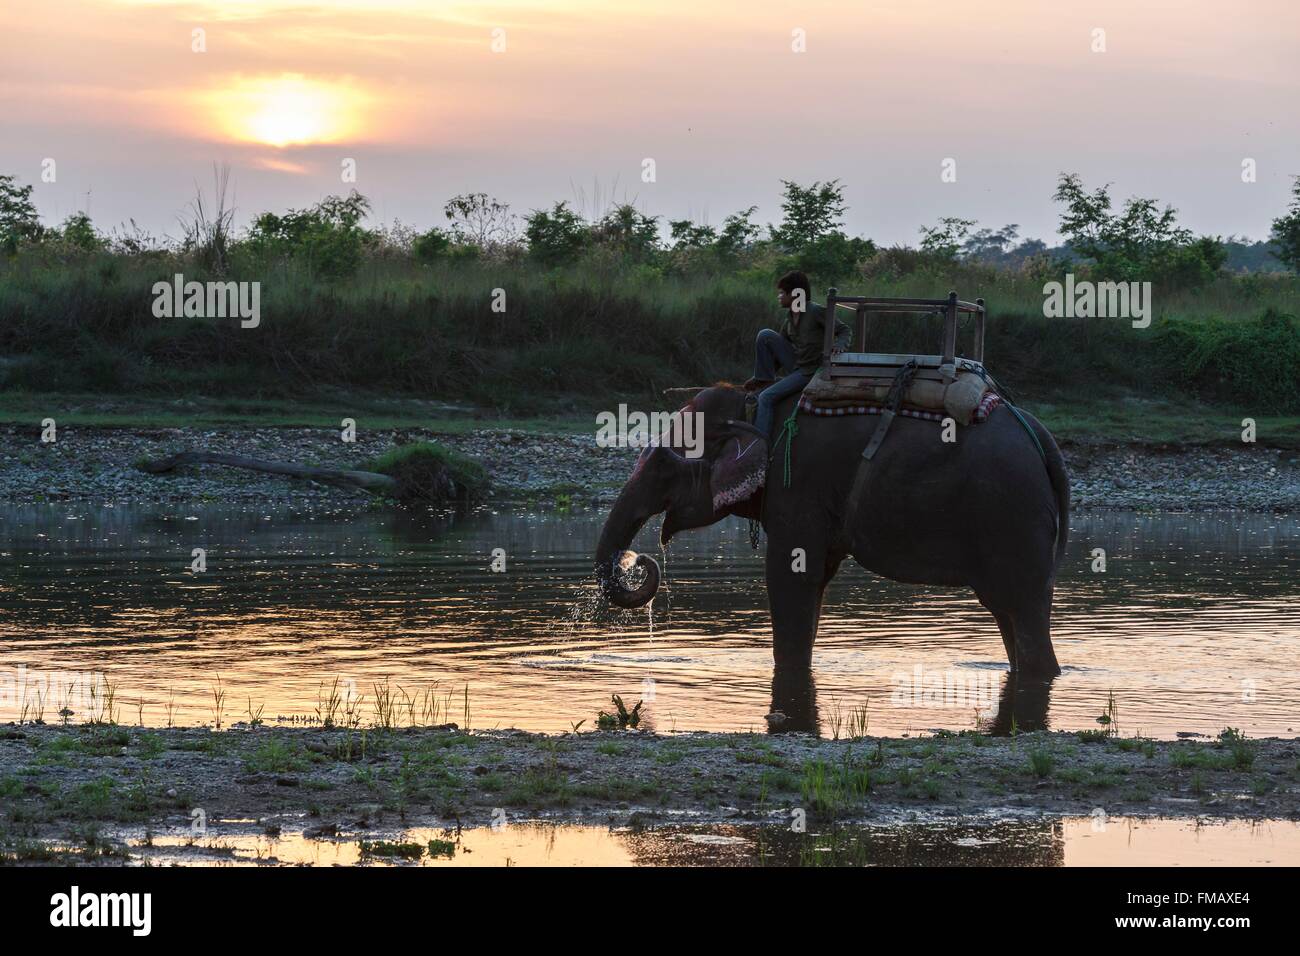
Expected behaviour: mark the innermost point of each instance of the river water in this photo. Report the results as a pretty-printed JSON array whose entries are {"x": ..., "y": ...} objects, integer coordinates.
[{"x": 1192, "y": 626}]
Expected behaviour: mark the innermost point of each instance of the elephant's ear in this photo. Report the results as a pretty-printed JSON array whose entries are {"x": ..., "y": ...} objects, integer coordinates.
[{"x": 740, "y": 468}]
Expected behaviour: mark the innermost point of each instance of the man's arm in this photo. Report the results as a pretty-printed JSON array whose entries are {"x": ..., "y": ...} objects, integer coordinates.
[{"x": 787, "y": 329}]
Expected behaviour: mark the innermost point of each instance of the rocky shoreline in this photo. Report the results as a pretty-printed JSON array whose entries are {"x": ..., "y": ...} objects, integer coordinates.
[{"x": 97, "y": 464}]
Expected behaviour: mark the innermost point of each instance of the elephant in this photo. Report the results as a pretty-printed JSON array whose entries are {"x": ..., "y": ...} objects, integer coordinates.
[{"x": 988, "y": 511}]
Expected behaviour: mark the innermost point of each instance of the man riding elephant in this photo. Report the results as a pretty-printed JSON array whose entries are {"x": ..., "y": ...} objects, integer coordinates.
[
  {"x": 796, "y": 349},
  {"x": 989, "y": 512}
]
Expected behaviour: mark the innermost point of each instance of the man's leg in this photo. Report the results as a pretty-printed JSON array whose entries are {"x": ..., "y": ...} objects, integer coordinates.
[
  {"x": 771, "y": 352},
  {"x": 767, "y": 400}
]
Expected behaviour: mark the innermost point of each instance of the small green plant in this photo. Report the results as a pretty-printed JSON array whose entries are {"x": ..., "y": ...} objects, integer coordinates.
[
  {"x": 384, "y": 848},
  {"x": 445, "y": 848},
  {"x": 218, "y": 702},
  {"x": 255, "y": 716},
  {"x": 829, "y": 788},
  {"x": 859, "y": 722},
  {"x": 1109, "y": 718},
  {"x": 385, "y": 706},
  {"x": 1242, "y": 752},
  {"x": 103, "y": 698},
  {"x": 1142, "y": 745},
  {"x": 1041, "y": 763},
  {"x": 622, "y": 718},
  {"x": 328, "y": 704},
  {"x": 275, "y": 756}
]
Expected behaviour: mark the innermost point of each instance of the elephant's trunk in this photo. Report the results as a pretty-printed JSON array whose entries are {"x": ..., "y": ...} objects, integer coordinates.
[{"x": 625, "y": 520}]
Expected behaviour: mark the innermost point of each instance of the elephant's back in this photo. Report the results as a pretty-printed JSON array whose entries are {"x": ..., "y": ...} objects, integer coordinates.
[{"x": 989, "y": 480}]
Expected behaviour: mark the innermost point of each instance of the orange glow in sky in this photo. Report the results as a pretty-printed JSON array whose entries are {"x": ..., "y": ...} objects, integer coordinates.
[
  {"x": 286, "y": 110},
  {"x": 578, "y": 93}
]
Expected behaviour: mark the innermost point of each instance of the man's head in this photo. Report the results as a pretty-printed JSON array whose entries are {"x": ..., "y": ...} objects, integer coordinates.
[{"x": 793, "y": 291}]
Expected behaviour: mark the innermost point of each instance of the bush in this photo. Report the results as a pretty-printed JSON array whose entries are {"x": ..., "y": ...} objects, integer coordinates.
[
  {"x": 431, "y": 245},
  {"x": 326, "y": 238},
  {"x": 428, "y": 472},
  {"x": 1252, "y": 362},
  {"x": 832, "y": 257},
  {"x": 79, "y": 234},
  {"x": 556, "y": 237}
]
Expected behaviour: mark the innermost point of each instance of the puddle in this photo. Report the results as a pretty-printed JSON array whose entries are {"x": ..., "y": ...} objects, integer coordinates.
[{"x": 1077, "y": 841}]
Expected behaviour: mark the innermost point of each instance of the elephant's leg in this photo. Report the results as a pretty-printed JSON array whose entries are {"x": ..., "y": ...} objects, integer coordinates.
[
  {"x": 1008, "y": 637},
  {"x": 795, "y": 585},
  {"x": 1003, "y": 617},
  {"x": 1031, "y": 622}
]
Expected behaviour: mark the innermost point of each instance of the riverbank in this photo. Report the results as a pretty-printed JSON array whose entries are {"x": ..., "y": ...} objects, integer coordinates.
[
  {"x": 96, "y": 464},
  {"x": 80, "y": 784}
]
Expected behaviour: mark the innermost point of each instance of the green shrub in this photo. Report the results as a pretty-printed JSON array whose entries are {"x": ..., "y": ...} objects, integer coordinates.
[
  {"x": 431, "y": 245},
  {"x": 428, "y": 472},
  {"x": 1251, "y": 362}
]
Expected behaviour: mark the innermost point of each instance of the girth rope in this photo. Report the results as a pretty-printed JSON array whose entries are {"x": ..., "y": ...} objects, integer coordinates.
[
  {"x": 894, "y": 401},
  {"x": 788, "y": 430}
]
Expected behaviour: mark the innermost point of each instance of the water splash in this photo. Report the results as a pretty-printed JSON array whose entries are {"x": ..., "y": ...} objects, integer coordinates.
[{"x": 664, "y": 585}]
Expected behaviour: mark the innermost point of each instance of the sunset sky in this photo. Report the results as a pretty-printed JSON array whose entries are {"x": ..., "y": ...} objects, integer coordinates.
[{"x": 712, "y": 91}]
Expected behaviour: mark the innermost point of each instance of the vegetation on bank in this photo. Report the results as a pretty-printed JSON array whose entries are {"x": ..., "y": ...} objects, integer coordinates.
[
  {"x": 611, "y": 308},
  {"x": 425, "y": 471},
  {"x": 67, "y": 791}
]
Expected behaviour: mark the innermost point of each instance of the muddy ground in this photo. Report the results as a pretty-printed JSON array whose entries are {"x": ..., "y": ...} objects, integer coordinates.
[
  {"x": 96, "y": 464},
  {"x": 64, "y": 791}
]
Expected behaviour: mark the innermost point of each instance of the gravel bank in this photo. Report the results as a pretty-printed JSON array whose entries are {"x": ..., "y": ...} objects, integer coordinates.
[{"x": 96, "y": 464}]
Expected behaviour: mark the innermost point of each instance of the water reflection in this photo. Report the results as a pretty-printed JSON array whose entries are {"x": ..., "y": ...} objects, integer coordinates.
[
  {"x": 1022, "y": 704},
  {"x": 1194, "y": 625},
  {"x": 1072, "y": 841}
]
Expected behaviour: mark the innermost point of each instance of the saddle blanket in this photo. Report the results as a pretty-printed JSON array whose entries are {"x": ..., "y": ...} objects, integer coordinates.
[
  {"x": 958, "y": 399},
  {"x": 990, "y": 401}
]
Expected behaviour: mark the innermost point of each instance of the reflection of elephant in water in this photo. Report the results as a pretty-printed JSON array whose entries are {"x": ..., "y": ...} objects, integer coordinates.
[
  {"x": 984, "y": 512},
  {"x": 1022, "y": 704}
]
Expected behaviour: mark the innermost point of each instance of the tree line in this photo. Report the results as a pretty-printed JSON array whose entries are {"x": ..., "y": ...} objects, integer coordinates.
[{"x": 1139, "y": 239}]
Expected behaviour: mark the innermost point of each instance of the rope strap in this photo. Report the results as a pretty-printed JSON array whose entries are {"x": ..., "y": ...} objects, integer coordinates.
[{"x": 788, "y": 430}]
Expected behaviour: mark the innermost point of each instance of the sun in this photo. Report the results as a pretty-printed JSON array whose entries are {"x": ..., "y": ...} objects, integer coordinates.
[{"x": 288, "y": 110}]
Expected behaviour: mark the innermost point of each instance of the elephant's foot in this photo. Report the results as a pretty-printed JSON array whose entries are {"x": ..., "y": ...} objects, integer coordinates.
[{"x": 1041, "y": 667}]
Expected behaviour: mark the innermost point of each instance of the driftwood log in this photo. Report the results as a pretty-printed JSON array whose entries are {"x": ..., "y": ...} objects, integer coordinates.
[{"x": 371, "y": 481}]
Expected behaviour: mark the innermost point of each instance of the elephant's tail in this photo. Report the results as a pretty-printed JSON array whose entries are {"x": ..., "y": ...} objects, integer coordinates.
[{"x": 1056, "y": 473}]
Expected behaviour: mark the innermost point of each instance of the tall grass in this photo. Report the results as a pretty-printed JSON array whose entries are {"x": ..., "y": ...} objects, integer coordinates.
[{"x": 429, "y": 330}]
